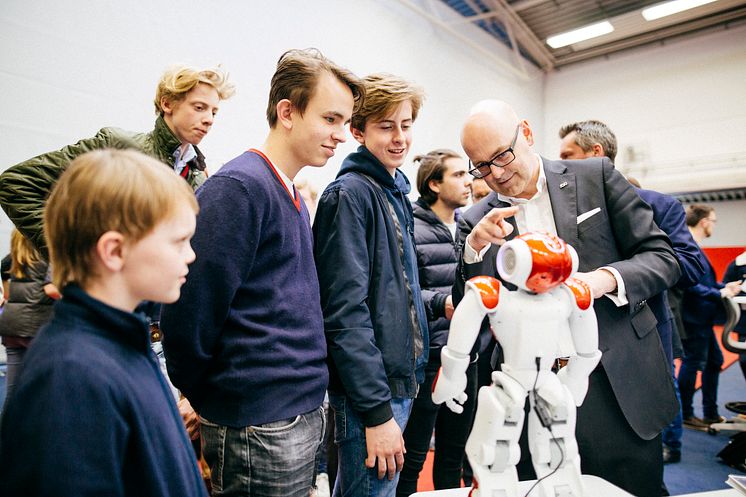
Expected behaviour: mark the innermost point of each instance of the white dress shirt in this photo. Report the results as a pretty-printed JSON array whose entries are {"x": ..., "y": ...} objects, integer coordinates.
[{"x": 180, "y": 160}]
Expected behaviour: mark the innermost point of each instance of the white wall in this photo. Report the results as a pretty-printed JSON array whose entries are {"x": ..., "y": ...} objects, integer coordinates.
[
  {"x": 681, "y": 104},
  {"x": 70, "y": 67}
]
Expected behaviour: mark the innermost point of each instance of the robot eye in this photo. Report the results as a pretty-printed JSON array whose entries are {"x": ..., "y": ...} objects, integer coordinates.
[{"x": 509, "y": 261}]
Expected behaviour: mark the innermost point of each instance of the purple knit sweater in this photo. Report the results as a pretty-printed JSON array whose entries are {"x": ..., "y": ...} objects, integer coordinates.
[{"x": 245, "y": 342}]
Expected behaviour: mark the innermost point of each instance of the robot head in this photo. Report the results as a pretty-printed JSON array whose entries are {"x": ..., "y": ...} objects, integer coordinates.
[{"x": 536, "y": 262}]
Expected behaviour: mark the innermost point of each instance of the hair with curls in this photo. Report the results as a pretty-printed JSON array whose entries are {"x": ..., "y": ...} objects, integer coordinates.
[
  {"x": 297, "y": 75},
  {"x": 107, "y": 190},
  {"x": 432, "y": 167},
  {"x": 179, "y": 80},
  {"x": 588, "y": 133},
  {"x": 383, "y": 93}
]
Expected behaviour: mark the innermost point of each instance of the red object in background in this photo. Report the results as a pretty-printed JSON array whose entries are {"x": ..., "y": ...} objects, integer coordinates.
[{"x": 720, "y": 257}]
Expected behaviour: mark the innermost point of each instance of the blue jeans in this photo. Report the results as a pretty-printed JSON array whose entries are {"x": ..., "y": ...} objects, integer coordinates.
[
  {"x": 276, "y": 459},
  {"x": 15, "y": 361},
  {"x": 354, "y": 479},
  {"x": 701, "y": 353},
  {"x": 451, "y": 433}
]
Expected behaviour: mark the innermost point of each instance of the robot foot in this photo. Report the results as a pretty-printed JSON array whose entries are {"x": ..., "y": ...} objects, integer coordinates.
[{"x": 504, "y": 484}]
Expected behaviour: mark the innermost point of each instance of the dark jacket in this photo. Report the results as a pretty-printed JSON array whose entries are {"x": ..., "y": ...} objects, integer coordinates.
[
  {"x": 370, "y": 331},
  {"x": 24, "y": 188},
  {"x": 28, "y": 308},
  {"x": 670, "y": 217},
  {"x": 92, "y": 414},
  {"x": 702, "y": 304},
  {"x": 436, "y": 262}
]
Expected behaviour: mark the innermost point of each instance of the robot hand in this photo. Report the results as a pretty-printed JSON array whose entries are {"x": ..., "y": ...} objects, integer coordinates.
[
  {"x": 575, "y": 375},
  {"x": 450, "y": 383}
]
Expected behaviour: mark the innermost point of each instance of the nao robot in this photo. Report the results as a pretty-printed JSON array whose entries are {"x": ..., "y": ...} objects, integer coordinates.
[{"x": 550, "y": 316}]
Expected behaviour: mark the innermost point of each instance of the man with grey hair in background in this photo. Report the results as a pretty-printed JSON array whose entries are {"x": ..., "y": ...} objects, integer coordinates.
[{"x": 587, "y": 139}]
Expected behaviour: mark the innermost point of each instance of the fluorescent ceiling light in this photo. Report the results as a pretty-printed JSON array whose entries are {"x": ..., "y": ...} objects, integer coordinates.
[
  {"x": 581, "y": 34},
  {"x": 670, "y": 8}
]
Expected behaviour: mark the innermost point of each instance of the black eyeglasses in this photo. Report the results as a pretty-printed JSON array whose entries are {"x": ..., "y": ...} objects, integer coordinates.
[{"x": 501, "y": 159}]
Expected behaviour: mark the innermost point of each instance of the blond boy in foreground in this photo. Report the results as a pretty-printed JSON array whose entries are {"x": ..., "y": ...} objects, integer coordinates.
[{"x": 92, "y": 413}]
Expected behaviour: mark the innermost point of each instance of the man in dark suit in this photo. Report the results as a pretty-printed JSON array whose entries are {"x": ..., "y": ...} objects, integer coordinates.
[
  {"x": 585, "y": 139},
  {"x": 624, "y": 258}
]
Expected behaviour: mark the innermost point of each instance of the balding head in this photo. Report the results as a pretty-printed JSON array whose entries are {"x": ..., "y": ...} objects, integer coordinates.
[{"x": 489, "y": 130}]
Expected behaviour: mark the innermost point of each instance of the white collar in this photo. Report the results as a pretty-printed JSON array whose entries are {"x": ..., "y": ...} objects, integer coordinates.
[
  {"x": 288, "y": 182},
  {"x": 189, "y": 153}
]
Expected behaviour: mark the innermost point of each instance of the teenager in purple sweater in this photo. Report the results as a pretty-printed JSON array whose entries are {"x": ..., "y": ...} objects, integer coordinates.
[{"x": 245, "y": 343}]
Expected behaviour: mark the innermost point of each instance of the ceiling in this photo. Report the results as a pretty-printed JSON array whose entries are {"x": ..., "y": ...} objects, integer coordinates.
[{"x": 524, "y": 25}]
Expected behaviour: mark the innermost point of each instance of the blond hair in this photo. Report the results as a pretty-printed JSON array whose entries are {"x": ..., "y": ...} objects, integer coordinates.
[
  {"x": 297, "y": 75},
  {"x": 107, "y": 190},
  {"x": 179, "y": 80},
  {"x": 383, "y": 93},
  {"x": 23, "y": 254}
]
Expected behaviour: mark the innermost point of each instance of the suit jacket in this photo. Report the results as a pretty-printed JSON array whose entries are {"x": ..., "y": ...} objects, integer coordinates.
[
  {"x": 702, "y": 305},
  {"x": 621, "y": 235},
  {"x": 670, "y": 217}
]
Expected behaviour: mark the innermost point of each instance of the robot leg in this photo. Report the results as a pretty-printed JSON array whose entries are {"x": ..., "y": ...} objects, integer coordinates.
[
  {"x": 551, "y": 439},
  {"x": 492, "y": 447}
]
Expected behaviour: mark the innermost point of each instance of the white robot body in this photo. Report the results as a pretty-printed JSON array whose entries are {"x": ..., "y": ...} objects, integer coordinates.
[{"x": 533, "y": 328}]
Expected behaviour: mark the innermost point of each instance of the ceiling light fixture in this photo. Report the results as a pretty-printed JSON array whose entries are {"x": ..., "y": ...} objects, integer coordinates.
[
  {"x": 580, "y": 34},
  {"x": 670, "y": 8}
]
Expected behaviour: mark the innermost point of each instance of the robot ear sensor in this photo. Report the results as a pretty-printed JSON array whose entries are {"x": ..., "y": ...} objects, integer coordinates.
[{"x": 514, "y": 262}]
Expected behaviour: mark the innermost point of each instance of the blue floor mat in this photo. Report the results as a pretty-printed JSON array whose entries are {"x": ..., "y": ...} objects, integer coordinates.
[{"x": 700, "y": 469}]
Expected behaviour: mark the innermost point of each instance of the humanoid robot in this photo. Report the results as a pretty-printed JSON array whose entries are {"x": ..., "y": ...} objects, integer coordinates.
[{"x": 549, "y": 316}]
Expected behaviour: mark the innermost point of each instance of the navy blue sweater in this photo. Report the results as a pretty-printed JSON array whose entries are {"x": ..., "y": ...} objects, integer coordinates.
[
  {"x": 92, "y": 414},
  {"x": 245, "y": 342},
  {"x": 373, "y": 346}
]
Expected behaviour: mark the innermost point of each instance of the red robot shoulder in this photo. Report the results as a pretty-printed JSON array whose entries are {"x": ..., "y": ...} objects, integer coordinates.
[
  {"x": 581, "y": 291},
  {"x": 488, "y": 288}
]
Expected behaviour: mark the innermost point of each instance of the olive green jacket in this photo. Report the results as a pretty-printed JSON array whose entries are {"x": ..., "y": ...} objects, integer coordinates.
[{"x": 24, "y": 188}]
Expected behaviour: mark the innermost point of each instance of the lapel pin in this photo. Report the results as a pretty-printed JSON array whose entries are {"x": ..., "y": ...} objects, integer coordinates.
[{"x": 563, "y": 184}]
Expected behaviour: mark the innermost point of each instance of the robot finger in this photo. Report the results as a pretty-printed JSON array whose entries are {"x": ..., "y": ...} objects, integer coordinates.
[
  {"x": 453, "y": 406},
  {"x": 461, "y": 398}
]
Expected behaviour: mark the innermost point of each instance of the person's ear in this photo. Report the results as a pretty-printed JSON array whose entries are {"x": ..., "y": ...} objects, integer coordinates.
[
  {"x": 110, "y": 250},
  {"x": 285, "y": 110},
  {"x": 434, "y": 185},
  {"x": 167, "y": 105},
  {"x": 598, "y": 150},
  {"x": 358, "y": 135},
  {"x": 527, "y": 133}
]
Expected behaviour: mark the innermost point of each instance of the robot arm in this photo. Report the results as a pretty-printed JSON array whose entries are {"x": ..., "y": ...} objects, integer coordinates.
[
  {"x": 584, "y": 329},
  {"x": 481, "y": 298}
]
